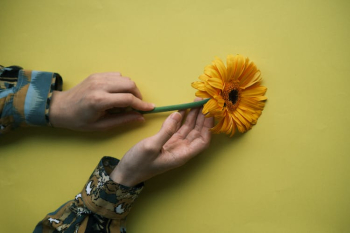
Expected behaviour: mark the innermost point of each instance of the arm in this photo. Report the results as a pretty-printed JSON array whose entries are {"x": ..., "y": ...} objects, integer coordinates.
[
  {"x": 25, "y": 97},
  {"x": 107, "y": 197},
  {"x": 102, "y": 205},
  {"x": 34, "y": 98}
]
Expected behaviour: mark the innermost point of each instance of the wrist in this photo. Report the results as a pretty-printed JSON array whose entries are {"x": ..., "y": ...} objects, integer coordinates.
[
  {"x": 122, "y": 178},
  {"x": 55, "y": 109}
]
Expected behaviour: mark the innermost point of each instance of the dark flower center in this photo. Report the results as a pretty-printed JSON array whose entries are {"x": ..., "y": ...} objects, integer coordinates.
[{"x": 233, "y": 96}]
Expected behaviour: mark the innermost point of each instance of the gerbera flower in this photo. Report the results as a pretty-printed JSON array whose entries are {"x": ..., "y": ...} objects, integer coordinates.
[{"x": 236, "y": 96}]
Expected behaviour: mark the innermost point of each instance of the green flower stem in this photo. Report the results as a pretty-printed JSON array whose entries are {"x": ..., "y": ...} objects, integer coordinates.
[{"x": 176, "y": 107}]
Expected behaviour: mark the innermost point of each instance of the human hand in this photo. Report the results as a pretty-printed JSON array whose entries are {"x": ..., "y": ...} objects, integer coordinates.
[
  {"x": 87, "y": 106},
  {"x": 171, "y": 147}
]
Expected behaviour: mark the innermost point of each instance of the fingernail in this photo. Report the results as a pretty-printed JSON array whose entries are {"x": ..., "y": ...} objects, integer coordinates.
[
  {"x": 153, "y": 105},
  {"x": 176, "y": 116}
]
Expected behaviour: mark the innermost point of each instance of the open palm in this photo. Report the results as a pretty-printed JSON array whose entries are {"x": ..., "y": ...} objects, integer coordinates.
[{"x": 171, "y": 147}]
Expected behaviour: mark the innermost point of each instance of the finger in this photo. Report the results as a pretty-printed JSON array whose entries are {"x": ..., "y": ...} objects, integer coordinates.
[
  {"x": 113, "y": 82},
  {"x": 208, "y": 122},
  {"x": 122, "y": 100},
  {"x": 113, "y": 74},
  {"x": 190, "y": 123},
  {"x": 168, "y": 129},
  {"x": 200, "y": 120},
  {"x": 191, "y": 120},
  {"x": 201, "y": 129},
  {"x": 199, "y": 140},
  {"x": 206, "y": 133},
  {"x": 112, "y": 121},
  {"x": 193, "y": 134},
  {"x": 198, "y": 145},
  {"x": 107, "y": 74},
  {"x": 122, "y": 85},
  {"x": 183, "y": 114}
]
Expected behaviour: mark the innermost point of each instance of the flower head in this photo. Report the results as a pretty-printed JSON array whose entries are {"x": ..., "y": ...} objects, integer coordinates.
[{"x": 236, "y": 96}]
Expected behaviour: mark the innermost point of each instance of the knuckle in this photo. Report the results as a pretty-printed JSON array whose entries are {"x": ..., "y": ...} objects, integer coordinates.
[
  {"x": 149, "y": 146},
  {"x": 170, "y": 130},
  {"x": 129, "y": 98},
  {"x": 93, "y": 76},
  {"x": 94, "y": 99},
  {"x": 95, "y": 82},
  {"x": 132, "y": 85}
]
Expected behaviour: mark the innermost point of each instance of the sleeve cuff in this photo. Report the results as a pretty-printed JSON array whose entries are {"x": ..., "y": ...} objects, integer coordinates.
[
  {"x": 32, "y": 100},
  {"x": 104, "y": 197},
  {"x": 25, "y": 96}
]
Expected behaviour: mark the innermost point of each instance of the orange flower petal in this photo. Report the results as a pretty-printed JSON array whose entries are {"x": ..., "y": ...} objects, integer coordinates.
[
  {"x": 210, "y": 106},
  {"x": 220, "y": 101},
  {"x": 203, "y": 77},
  {"x": 260, "y": 98},
  {"x": 253, "y": 104},
  {"x": 250, "y": 69},
  {"x": 198, "y": 85},
  {"x": 232, "y": 128},
  {"x": 212, "y": 72},
  {"x": 211, "y": 90},
  {"x": 258, "y": 91},
  {"x": 246, "y": 108},
  {"x": 226, "y": 125},
  {"x": 242, "y": 120},
  {"x": 216, "y": 114},
  {"x": 203, "y": 94},
  {"x": 219, "y": 65},
  {"x": 217, "y": 128},
  {"x": 235, "y": 66},
  {"x": 251, "y": 80},
  {"x": 239, "y": 124},
  {"x": 248, "y": 116},
  {"x": 215, "y": 82}
]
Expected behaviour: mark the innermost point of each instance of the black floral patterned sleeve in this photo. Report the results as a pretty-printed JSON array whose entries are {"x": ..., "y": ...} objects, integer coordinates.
[{"x": 102, "y": 206}]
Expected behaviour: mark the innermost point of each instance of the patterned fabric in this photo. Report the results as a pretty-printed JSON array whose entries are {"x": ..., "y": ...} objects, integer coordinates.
[
  {"x": 102, "y": 206},
  {"x": 25, "y": 97}
]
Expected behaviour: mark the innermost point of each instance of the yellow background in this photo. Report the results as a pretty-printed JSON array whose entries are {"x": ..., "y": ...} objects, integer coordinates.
[{"x": 289, "y": 174}]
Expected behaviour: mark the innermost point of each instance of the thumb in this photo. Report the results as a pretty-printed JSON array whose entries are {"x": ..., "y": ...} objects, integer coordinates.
[{"x": 169, "y": 127}]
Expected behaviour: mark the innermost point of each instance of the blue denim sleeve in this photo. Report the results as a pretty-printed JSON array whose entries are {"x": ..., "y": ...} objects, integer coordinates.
[{"x": 25, "y": 97}]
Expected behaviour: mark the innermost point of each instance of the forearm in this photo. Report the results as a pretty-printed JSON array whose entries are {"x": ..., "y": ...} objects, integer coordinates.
[
  {"x": 102, "y": 204},
  {"x": 25, "y": 97}
]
